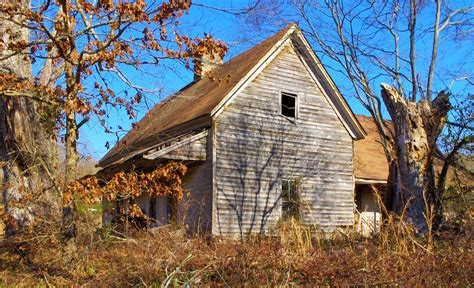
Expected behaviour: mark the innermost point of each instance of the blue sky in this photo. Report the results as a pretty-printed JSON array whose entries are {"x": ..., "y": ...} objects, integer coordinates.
[
  {"x": 235, "y": 33},
  {"x": 200, "y": 20}
]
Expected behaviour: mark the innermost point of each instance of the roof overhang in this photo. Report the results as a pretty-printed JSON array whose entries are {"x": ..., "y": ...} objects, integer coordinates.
[
  {"x": 163, "y": 150},
  {"x": 166, "y": 136}
]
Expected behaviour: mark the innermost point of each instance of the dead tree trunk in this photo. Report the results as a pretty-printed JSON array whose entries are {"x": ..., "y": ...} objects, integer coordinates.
[
  {"x": 27, "y": 150},
  {"x": 417, "y": 127}
]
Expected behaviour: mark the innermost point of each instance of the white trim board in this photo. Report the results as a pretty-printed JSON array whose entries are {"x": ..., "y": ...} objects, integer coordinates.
[
  {"x": 159, "y": 153},
  {"x": 369, "y": 181}
]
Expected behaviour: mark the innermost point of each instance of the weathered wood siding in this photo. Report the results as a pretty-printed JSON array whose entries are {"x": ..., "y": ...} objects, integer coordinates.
[
  {"x": 195, "y": 151},
  {"x": 256, "y": 148},
  {"x": 191, "y": 147},
  {"x": 196, "y": 208}
]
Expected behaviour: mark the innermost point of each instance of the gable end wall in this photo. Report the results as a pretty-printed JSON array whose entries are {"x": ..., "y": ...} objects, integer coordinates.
[{"x": 255, "y": 148}]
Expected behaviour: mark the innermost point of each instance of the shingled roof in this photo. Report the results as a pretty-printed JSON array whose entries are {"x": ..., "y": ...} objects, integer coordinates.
[
  {"x": 370, "y": 162},
  {"x": 193, "y": 101},
  {"x": 191, "y": 107}
]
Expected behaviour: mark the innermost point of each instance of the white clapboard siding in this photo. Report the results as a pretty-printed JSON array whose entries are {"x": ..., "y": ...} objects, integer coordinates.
[{"x": 256, "y": 148}]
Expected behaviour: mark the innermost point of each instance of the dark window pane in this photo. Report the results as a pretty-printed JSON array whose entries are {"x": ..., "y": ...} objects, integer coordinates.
[
  {"x": 284, "y": 185},
  {"x": 288, "y": 105},
  {"x": 152, "y": 207}
]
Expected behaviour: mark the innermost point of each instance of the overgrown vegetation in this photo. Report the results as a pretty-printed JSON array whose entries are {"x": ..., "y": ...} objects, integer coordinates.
[
  {"x": 62, "y": 39},
  {"x": 292, "y": 254},
  {"x": 298, "y": 255}
]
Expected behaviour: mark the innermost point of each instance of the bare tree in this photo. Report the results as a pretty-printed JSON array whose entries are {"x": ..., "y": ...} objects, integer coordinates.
[{"x": 396, "y": 45}]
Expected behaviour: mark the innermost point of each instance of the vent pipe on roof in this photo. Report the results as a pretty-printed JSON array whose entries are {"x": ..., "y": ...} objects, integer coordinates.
[{"x": 205, "y": 63}]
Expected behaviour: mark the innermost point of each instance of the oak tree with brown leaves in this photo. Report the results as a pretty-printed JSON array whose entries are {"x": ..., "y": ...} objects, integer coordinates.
[
  {"x": 125, "y": 186},
  {"x": 78, "y": 49}
]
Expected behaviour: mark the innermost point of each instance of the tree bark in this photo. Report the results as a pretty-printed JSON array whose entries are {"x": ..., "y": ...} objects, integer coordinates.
[
  {"x": 68, "y": 229},
  {"x": 27, "y": 150},
  {"x": 72, "y": 157},
  {"x": 390, "y": 188},
  {"x": 417, "y": 127}
]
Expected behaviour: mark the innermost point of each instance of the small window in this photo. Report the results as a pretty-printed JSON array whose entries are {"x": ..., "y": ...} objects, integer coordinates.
[
  {"x": 290, "y": 199},
  {"x": 152, "y": 212},
  {"x": 289, "y": 105}
]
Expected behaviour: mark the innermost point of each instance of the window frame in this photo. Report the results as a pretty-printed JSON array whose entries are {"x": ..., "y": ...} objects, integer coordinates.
[
  {"x": 295, "y": 95},
  {"x": 294, "y": 199}
]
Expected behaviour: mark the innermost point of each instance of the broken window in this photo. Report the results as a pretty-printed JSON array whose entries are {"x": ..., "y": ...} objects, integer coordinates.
[
  {"x": 290, "y": 199},
  {"x": 289, "y": 105}
]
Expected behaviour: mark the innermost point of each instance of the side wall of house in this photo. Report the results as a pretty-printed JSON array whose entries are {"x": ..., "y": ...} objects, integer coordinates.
[
  {"x": 196, "y": 207},
  {"x": 256, "y": 148}
]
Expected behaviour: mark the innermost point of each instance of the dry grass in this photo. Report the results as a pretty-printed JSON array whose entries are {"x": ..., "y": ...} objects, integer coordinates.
[{"x": 298, "y": 256}]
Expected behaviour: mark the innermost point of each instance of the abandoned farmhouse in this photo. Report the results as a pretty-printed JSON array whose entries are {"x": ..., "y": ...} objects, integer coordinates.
[{"x": 271, "y": 137}]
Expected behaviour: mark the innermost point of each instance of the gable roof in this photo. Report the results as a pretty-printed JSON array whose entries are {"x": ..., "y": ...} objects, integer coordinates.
[{"x": 194, "y": 105}]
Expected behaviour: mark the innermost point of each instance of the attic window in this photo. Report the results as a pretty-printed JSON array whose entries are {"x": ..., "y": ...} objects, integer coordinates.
[{"x": 289, "y": 105}]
